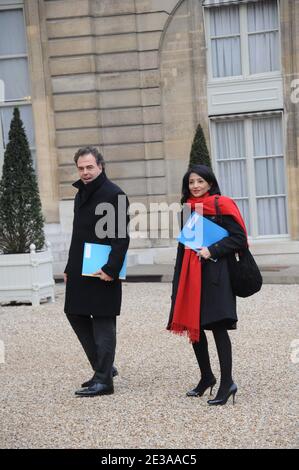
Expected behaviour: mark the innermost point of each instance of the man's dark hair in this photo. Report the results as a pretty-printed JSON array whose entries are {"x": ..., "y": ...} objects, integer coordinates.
[{"x": 90, "y": 150}]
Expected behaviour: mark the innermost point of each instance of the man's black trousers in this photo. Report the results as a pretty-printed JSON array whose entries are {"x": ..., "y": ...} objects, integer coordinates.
[{"x": 97, "y": 336}]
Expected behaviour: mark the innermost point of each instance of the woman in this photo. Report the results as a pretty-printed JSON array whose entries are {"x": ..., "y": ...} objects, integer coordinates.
[{"x": 202, "y": 297}]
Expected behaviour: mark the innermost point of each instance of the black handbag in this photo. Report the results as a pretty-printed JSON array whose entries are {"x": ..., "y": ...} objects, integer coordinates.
[{"x": 245, "y": 276}]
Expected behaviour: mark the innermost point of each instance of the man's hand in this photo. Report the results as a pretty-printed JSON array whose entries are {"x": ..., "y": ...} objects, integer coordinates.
[
  {"x": 103, "y": 276},
  {"x": 204, "y": 253},
  {"x": 65, "y": 277}
]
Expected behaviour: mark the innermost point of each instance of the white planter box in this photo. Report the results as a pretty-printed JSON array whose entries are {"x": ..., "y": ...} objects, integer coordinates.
[{"x": 27, "y": 277}]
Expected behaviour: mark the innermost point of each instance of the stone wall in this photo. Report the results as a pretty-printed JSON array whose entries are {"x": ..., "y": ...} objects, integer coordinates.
[
  {"x": 103, "y": 59},
  {"x": 127, "y": 76}
]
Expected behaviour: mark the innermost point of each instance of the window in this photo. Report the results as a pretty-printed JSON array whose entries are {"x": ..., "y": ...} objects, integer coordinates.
[
  {"x": 15, "y": 76},
  {"x": 269, "y": 176},
  {"x": 250, "y": 166},
  {"x": 244, "y": 39},
  {"x": 263, "y": 37},
  {"x": 231, "y": 163},
  {"x": 225, "y": 41}
]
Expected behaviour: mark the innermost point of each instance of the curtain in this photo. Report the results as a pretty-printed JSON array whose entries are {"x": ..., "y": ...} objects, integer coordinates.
[
  {"x": 13, "y": 69},
  {"x": 268, "y": 193},
  {"x": 211, "y": 3},
  {"x": 1, "y": 91},
  {"x": 27, "y": 118},
  {"x": 14, "y": 73},
  {"x": 12, "y": 33},
  {"x": 231, "y": 164},
  {"x": 263, "y": 22},
  {"x": 226, "y": 51},
  {"x": 12, "y": 2},
  {"x": 269, "y": 175}
]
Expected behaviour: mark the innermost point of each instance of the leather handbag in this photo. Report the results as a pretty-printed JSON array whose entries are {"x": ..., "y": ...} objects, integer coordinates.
[{"x": 245, "y": 276}]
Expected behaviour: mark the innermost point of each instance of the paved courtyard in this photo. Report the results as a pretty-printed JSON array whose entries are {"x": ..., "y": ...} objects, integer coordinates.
[{"x": 44, "y": 364}]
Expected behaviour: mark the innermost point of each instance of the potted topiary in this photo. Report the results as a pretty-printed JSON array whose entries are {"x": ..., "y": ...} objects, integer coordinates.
[
  {"x": 199, "y": 154},
  {"x": 26, "y": 272}
]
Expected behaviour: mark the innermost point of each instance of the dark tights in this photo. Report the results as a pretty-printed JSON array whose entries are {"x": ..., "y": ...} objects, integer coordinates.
[{"x": 224, "y": 350}]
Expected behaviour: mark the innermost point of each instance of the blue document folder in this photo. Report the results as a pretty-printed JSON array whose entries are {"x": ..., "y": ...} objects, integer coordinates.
[
  {"x": 95, "y": 256},
  {"x": 200, "y": 231}
]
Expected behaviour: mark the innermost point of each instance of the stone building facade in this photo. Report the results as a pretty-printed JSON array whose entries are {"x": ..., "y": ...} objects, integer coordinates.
[{"x": 135, "y": 78}]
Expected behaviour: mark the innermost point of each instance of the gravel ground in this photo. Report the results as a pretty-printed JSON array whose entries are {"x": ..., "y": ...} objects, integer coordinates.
[{"x": 44, "y": 364}]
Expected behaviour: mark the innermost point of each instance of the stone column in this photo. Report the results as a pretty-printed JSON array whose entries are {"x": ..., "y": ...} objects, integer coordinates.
[
  {"x": 290, "y": 66},
  {"x": 42, "y": 109}
]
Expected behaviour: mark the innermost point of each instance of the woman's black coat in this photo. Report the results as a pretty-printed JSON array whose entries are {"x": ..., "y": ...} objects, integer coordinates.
[
  {"x": 218, "y": 303},
  {"x": 88, "y": 295}
]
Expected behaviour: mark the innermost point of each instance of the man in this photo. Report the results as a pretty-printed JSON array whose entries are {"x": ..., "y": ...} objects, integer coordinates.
[{"x": 92, "y": 303}]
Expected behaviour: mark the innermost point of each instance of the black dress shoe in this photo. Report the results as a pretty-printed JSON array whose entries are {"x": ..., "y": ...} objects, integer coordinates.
[
  {"x": 92, "y": 381},
  {"x": 95, "y": 389}
]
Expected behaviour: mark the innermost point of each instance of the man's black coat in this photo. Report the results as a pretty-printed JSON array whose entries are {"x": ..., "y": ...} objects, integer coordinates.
[{"x": 87, "y": 295}]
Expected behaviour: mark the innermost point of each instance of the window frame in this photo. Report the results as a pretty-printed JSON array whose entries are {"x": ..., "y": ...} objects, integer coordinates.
[
  {"x": 27, "y": 100},
  {"x": 244, "y": 46},
  {"x": 250, "y": 167}
]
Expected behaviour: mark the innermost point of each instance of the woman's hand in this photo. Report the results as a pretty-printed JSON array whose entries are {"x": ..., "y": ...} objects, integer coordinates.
[
  {"x": 204, "y": 253},
  {"x": 103, "y": 276}
]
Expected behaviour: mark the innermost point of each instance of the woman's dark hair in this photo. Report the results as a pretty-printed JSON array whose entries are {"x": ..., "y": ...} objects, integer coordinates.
[
  {"x": 93, "y": 151},
  {"x": 206, "y": 173}
]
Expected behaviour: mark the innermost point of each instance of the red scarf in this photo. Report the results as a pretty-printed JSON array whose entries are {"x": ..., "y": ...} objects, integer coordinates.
[{"x": 186, "y": 314}]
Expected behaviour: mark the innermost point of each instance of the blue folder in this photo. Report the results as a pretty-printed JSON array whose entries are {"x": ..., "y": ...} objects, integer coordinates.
[
  {"x": 199, "y": 231},
  {"x": 95, "y": 256}
]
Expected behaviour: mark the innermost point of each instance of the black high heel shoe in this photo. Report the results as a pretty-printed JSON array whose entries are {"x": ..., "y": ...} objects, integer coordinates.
[
  {"x": 223, "y": 399},
  {"x": 200, "y": 389}
]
